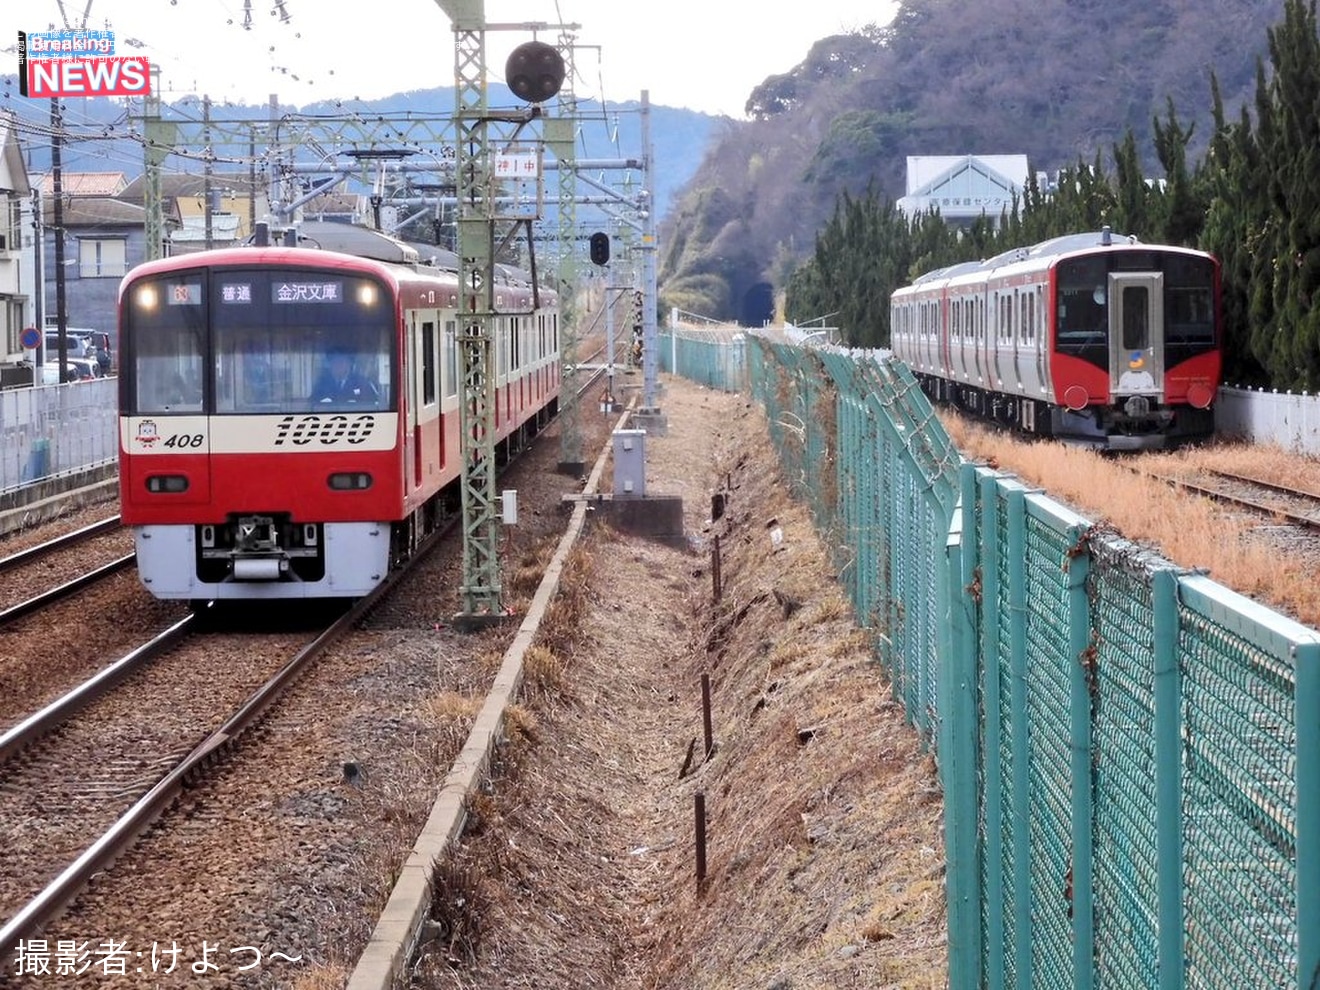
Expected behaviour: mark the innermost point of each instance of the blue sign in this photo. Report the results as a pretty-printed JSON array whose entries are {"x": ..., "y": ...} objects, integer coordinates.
[{"x": 29, "y": 338}]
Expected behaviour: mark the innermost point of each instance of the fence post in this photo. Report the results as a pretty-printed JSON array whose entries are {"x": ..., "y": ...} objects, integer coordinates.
[
  {"x": 1081, "y": 685},
  {"x": 992, "y": 749},
  {"x": 957, "y": 743},
  {"x": 1306, "y": 716},
  {"x": 1020, "y": 799},
  {"x": 1168, "y": 779}
]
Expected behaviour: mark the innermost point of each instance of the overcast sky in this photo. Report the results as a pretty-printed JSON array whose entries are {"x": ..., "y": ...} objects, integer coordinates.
[{"x": 705, "y": 55}]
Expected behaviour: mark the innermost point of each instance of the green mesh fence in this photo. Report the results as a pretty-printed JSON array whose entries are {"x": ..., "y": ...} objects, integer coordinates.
[
  {"x": 1130, "y": 753},
  {"x": 716, "y": 357}
]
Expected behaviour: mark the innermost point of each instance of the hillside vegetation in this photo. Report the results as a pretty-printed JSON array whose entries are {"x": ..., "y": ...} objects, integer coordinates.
[{"x": 1061, "y": 81}]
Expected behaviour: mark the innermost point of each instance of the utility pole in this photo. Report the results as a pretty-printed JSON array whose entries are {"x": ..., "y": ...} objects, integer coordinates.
[
  {"x": 207, "y": 173},
  {"x": 476, "y": 250},
  {"x": 157, "y": 138},
  {"x": 477, "y": 220},
  {"x": 562, "y": 141},
  {"x": 57, "y": 191},
  {"x": 650, "y": 411}
]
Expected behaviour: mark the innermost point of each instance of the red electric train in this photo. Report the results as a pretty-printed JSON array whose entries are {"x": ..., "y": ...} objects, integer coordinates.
[
  {"x": 1094, "y": 339},
  {"x": 289, "y": 416}
]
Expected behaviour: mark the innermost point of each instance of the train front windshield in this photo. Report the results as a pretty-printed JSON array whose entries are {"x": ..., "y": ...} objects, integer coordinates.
[
  {"x": 247, "y": 342},
  {"x": 1186, "y": 304}
]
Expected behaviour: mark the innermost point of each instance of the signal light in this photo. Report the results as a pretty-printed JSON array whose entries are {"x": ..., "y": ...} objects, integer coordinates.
[
  {"x": 600, "y": 248},
  {"x": 534, "y": 71}
]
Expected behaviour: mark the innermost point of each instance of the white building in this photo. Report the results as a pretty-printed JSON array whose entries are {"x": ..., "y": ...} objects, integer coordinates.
[
  {"x": 963, "y": 187},
  {"x": 15, "y": 229}
]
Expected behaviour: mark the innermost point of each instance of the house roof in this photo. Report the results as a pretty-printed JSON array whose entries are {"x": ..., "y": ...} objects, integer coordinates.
[
  {"x": 337, "y": 204},
  {"x": 224, "y": 227},
  {"x": 85, "y": 183},
  {"x": 96, "y": 211},
  {"x": 175, "y": 185},
  {"x": 926, "y": 173}
]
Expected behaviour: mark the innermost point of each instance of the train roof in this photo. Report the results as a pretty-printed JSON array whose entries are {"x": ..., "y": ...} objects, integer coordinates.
[
  {"x": 326, "y": 237},
  {"x": 1043, "y": 253},
  {"x": 361, "y": 242}
]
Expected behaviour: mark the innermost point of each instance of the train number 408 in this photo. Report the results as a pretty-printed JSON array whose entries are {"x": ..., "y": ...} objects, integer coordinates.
[{"x": 185, "y": 440}]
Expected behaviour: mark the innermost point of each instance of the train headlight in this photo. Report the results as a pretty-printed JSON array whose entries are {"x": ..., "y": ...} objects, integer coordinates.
[
  {"x": 146, "y": 297},
  {"x": 350, "y": 481},
  {"x": 167, "y": 483}
]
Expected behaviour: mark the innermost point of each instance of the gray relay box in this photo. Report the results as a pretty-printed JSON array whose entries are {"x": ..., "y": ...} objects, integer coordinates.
[{"x": 629, "y": 462}]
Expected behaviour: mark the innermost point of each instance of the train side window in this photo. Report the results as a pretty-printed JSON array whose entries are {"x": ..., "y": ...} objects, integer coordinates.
[
  {"x": 430, "y": 371},
  {"x": 451, "y": 358}
]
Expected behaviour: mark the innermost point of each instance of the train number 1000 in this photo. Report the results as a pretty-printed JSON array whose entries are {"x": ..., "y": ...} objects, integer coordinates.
[{"x": 302, "y": 430}]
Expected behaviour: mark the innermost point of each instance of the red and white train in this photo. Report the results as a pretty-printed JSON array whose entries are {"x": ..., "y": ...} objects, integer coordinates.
[
  {"x": 1090, "y": 338},
  {"x": 244, "y": 472}
]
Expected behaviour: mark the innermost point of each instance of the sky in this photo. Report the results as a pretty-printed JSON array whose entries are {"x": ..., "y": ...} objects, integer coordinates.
[{"x": 705, "y": 55}]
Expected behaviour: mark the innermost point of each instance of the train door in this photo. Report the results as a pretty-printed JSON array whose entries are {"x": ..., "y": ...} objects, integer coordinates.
[
  {"x": 412, "y": 441},
  {"x": 1136, "y": 333}
]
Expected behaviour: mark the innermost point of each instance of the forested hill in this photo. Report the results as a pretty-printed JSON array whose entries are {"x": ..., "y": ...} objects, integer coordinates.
[{"x": 1061, "y": 81}]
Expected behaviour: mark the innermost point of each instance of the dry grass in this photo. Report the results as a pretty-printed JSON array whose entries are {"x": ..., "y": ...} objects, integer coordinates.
[
  {"x": 558, "y": 630},
  {"x": 322, "y": 977},
  {"x": 1194, "y": 533},
  {"x": 824, "y": 815}
]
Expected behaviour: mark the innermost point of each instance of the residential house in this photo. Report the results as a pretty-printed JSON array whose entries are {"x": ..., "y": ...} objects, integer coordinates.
[
  {"x": 15, "y": 197},
  {"x": 103, "y": 238},
  {"x": 237, "y": 201}
]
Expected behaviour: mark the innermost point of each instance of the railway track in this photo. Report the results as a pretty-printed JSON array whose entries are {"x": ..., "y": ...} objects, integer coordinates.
[
  {"x": 134, "y": 751},
  {"x": 1290, "y": 505},
  {"x": 64, "y": 764},
  {"x": 62, "y": 567}
]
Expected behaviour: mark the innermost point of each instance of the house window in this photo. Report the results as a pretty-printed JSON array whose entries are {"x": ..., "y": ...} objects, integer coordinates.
[
  {"x": 101, "y": 259},
  {"x": 11, "y": 310},
  {"x": 10, "y": 235}
]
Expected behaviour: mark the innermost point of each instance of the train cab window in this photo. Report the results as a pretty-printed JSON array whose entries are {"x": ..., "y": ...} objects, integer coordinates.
[
  {"x": 1083, "y": 313},
  {"x": 1189, "y": 302},
  {"x": 165, "y": 322},
  {"x": 168, "y": 373},
  {"x": 293, "y": 341}
]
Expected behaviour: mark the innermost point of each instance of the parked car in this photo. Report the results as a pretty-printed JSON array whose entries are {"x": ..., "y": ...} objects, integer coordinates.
[
  {"x": 79, "y": 343},
  {"x": 81, "y": 369}
]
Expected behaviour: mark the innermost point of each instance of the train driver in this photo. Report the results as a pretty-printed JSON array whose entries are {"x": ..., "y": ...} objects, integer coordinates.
[{"x": 340, "y": 383}]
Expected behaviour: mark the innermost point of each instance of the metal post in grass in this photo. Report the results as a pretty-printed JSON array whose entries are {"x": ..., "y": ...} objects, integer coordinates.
[
  {"x": 716, "y": 580},
  {"x": 708, "y": 733},
  {"x": 699, "y": 822}
]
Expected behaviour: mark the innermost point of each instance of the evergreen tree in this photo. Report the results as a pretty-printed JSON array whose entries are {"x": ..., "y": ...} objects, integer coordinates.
[
  {"x": 1295, "y": 191},
  {"x": 1181, "y": 213},
  {"x": 1132, "y": 210}
]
